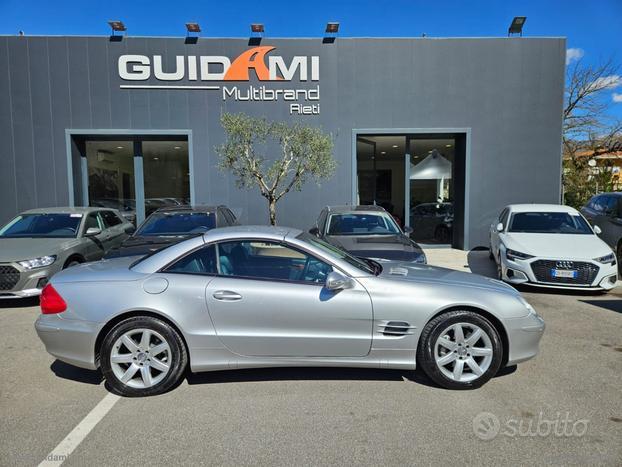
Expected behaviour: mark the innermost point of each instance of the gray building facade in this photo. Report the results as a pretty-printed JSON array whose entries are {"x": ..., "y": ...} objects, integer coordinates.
[{"x": 444, "y": 132}]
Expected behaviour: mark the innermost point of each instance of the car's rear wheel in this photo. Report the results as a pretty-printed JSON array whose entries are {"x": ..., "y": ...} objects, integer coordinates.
[
  {"x": 143, "y": 356},
  {"x": 460, "y": 350},
  {"x": 619, "y": 257}
]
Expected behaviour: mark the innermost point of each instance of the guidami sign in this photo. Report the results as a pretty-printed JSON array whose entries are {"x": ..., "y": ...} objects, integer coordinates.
[{"x": 210, "y": 68}]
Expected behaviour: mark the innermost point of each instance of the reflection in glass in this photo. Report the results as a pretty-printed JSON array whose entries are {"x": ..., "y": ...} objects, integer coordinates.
[
  {"x": 166, "y": 174},
  {"x": 111, "y": 176}
]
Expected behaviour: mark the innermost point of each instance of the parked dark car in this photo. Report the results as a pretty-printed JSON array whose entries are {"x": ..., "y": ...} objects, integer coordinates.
[
  {"x": 367, "y": 232},
  {"x": 605, "y": 211},
  {"x": 172, "y": 225},
  {"x": 432, "y": 222}
]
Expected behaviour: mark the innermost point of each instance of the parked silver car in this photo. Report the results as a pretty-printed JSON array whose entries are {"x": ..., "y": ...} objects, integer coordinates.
[
  {"x": 38, "y": 243},
  {"x": 244, "y": 297}
]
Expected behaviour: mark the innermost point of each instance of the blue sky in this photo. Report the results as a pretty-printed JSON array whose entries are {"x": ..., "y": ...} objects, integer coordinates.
[{"x": 591, "y": 26}]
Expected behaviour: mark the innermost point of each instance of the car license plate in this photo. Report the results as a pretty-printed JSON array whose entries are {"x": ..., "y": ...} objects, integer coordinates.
[{"x": 565, "y": 273}]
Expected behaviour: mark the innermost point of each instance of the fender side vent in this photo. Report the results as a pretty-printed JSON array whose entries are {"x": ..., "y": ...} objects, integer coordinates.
[{"x": 396, "y": 328}]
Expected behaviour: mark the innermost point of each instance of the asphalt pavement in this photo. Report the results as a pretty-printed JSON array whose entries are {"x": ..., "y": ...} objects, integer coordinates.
[{"x": 564, "y": 407}]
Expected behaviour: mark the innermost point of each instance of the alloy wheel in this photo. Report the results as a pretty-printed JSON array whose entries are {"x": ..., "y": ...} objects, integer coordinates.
[
  {"x": 140, "y": 358},
  {"x": 463, "y": 352}
]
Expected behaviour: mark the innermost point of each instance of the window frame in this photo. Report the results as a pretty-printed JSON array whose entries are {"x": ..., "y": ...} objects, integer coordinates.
[{"x": 216, "y": 243}]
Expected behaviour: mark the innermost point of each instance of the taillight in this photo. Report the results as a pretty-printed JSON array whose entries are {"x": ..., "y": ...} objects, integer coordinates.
[{"x": 51, "y": 301}]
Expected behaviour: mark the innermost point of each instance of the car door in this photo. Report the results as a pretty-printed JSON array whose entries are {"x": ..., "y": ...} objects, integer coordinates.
[
  {"x": 495, "y": 234},
  {"x": 115, "y": 230},
  {"x": 95, "y": 245},
  {"x": 611, "y": 221},
  {"x": 269, "y": 300}
]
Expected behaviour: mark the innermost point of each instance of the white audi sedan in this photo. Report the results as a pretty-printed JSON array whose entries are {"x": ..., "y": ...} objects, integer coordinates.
[{"x": 550, "y": 245}]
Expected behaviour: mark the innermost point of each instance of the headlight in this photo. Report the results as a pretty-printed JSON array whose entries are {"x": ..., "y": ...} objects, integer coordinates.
[
  {"x": 513, "y": 255},
  {"x": 37, "y": 262},
  {"x": 421, "y": 259},
  {"x": 527, "y": 305},
  {"x": 607, "y": 259}
]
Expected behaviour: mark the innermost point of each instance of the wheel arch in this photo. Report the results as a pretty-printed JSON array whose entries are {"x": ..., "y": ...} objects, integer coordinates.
[
  {"x": 134, "y": 314},
  {"x": 496, "y": 322},
  {"x": 74, "y": 256}
]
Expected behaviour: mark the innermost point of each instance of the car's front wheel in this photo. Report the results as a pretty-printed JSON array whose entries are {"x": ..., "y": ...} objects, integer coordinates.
[
  {"x": 143, "y": 356},
  {"x": 460, "y": 350}
]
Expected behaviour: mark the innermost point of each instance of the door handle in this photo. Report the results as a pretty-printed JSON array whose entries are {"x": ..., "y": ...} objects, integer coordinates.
[{"x": 226, "y": 295}]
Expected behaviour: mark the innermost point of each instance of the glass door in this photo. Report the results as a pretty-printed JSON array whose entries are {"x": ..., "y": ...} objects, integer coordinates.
[
  {"x": 134, "y": 175},
  {"x": 430, "y": 188},
  {"x": 111, "y": 176}
]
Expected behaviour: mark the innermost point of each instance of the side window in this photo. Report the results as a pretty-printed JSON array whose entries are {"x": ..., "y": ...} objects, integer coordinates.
[
  {"x": 230, "y": 217},
  {"x": 322, "y": 220},
  {"x": 503, "y": 218},
  {"x": 612, "y": 205},
  {"x": 597, "y": 204},
  {"x": 201, "y": 261},
  {"x": 271, "y": 261},
  {"x": 93, "y": 220},
  {"x": 110, "y": 218}
]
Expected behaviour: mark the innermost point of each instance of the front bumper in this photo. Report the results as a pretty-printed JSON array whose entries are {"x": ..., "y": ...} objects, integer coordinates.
[
  {"x": 524, "y": 336},
  {"x": 71, "y": 341},
  {"x": 29, "y": 281},
  {"x": 522, "y": 272}
]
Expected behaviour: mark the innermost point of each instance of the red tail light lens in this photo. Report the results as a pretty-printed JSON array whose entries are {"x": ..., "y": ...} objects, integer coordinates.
[{"x": 51, "y": 301}]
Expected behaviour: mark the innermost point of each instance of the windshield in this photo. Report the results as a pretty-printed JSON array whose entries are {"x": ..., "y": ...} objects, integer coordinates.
[
  {"x": 336, "y": 253},
  {"x": 43, "y": 226},
  {"x": 549, "y": 222},
  {"x": 362, "y": 224},
  {"x": 177, "y": 223}
]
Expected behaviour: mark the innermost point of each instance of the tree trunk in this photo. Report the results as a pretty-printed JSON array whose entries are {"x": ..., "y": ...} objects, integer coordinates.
[{"x": 272, "y": 210}]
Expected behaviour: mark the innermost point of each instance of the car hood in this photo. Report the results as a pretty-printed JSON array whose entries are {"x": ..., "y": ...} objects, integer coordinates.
[
  {"x": 389, "y": 247},
  {"x": 18, "y": 249},
  {"x": 140, "y": 246},
  {"x": 557, "y": 246},
  {"x": 397, "y": 270}
]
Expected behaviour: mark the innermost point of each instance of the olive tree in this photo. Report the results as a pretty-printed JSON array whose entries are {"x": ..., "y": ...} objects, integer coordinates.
[{"x": 300, "y": 153}]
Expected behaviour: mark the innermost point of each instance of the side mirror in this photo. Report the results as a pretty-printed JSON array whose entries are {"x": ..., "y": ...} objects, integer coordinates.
[
  {"x": 337, "y": 281},
  {"x": 92, "y": 231},
  {"x": 314, "y": 231},
  {"x": 597, "y": 230},
  {"x": 408, "y": 230},
  {"x": 499, "y": 227}
]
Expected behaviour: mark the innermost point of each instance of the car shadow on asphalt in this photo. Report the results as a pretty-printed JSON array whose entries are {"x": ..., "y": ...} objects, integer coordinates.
[
  {"x": 317, "y": 374},
  {"x": 73, "y": 373},
  {"x": 19, "y": 302},
  {"x": 611, "y": 305}
]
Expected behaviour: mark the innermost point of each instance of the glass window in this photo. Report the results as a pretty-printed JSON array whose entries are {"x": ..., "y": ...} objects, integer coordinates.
[
  {"x": 166, "y": 174},
  {"x": 110, "y": 218},
  {"x": 111, "y": 175},
  {"x": 504, "y": 218},
  {"x": 612, "y": 205},
  {"x": 93, "y": 221},
  {"x": 270, "y": 260},
  {"x": 362, "y": 224},
  {"x": 43, "y": 225},
  {"x": 201, "y": 261},
  {"x": 338, "y": 253},
  {"x": 177, "y": 223},
  {"x": 549, "y": 222}
]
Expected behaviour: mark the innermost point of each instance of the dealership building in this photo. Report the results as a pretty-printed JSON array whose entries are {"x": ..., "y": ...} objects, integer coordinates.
[{"x": 442, "y": 132}]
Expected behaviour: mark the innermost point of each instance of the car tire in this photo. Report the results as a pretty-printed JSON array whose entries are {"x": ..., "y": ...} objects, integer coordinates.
[
  {"x": 499, "y": 271},
  {"x": 71, "y": 262},
  {"x": 491, "y": 256},
  {"x": 619, "y": 257},
  {"x": 148, "y": 373},
  {"x": 435, "y": 359}
]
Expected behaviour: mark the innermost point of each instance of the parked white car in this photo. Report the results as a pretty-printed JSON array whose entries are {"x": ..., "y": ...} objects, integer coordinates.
[{"x": 550, "y": 245}]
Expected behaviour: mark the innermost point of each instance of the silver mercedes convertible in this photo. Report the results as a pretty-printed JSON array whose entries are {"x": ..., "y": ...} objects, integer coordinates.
[{"x": 247, "y": 297}]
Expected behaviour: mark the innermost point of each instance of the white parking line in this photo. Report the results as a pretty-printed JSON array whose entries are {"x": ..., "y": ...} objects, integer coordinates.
[{"x": 61, "y": 452}]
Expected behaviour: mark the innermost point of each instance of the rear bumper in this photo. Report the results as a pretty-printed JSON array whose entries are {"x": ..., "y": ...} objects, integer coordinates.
[{"x": 71, "y": 341}]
